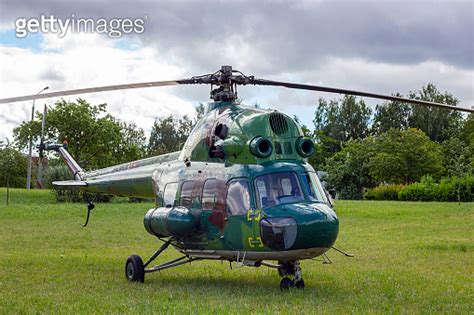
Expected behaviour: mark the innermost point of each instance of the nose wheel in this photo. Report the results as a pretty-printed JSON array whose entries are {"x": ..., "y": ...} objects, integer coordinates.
[
  {"x": 291, "y": 273},
  {"x": 134, "y": 270}
]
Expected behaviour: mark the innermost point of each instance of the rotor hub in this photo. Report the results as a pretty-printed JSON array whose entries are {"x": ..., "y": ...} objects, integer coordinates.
[{"x": 225, "y": 81}]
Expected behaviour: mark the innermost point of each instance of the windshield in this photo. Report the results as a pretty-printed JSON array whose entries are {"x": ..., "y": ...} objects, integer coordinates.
[
  {"x": 314, "y": 187},
  {"x": 278, "y": 188}
]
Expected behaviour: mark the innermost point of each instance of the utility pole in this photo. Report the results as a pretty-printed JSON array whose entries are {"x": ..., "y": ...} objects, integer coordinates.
[{"x": 28, "y": 178}]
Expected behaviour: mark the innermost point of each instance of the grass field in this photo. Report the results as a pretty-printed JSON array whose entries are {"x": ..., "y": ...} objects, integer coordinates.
[{"x": 410, "y": 257}]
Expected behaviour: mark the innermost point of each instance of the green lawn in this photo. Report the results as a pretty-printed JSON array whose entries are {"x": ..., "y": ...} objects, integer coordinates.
[{"x": 410, "y": 257}]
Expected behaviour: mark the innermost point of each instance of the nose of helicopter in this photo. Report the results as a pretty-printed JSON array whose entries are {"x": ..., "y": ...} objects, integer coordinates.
[{"x": 299, "y": 226}]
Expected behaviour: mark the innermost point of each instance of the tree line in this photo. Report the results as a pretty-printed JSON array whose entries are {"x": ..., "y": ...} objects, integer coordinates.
[{"x": 397, "y": 143}]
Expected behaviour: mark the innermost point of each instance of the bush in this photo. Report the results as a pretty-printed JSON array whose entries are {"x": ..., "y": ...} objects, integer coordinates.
[
  {"x": 384, "y": 192},
  {"x": 69, "y": 194},
  {"x": 417, "y": 192},
  {"x": 13, "y": 165},
  {"x": 456, "y": 189},
  {"x": 449, "y": 189}
]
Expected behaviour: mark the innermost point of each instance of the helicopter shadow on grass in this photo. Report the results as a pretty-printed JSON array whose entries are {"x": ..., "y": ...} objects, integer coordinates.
[{"x": 225, "y": 284}]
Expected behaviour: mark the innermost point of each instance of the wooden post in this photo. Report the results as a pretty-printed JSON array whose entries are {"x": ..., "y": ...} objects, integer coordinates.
[{"x": 8, "y": 190}]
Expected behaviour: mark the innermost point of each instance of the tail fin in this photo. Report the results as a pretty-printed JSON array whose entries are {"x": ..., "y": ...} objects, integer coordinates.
[{"x": 70, "y": 162}]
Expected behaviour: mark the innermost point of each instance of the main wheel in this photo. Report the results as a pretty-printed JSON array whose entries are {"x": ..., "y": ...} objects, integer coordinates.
[
  {"x": 134, "y": 270},
  {"x": 286, "y": 283},
  {"x": 299, "y": 284},
  {"x": 287, "y": 268}
]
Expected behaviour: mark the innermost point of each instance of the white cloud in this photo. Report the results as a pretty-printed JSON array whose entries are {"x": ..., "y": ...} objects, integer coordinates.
[
  {"x": 86, "y": 60},
  {"x": 364, "y": 75}
]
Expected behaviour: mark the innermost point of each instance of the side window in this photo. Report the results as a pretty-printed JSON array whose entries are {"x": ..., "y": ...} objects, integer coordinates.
[
  {"x": 262, "y": 192},
  {"x": 186, "y": 194},
  {"x": 169, "y": 195},
  {"x": 238, "y": 197},
  {"x": 313, "y": 185},
  {"x": 209, "y": 194}
]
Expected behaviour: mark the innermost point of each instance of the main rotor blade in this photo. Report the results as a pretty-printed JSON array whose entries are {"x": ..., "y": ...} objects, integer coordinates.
[
  {"x": 93, "y": 90},
  {"x": 356, "y": 93}
]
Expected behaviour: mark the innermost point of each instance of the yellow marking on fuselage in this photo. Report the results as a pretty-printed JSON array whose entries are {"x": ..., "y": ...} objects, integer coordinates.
[
  {"x": 255, "y": 242},
  {"x": 253, "y": 215}
]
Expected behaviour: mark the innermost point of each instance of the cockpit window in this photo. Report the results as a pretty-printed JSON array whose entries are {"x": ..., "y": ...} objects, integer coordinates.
[
  {"x": 278, "y": 188},
  {"x": 314, "y": 187}
]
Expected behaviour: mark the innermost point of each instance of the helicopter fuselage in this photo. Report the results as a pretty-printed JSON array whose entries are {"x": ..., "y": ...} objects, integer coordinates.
[
  {"x": 241, "y": 184},
  {"x": 274, "y": 211}
]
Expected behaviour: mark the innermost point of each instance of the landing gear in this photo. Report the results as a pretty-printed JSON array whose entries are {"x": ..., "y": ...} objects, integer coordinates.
[
  {"x": 286, "y": 283},
  {"x": 290, "y": 269},
  {"x": 134, "y": 270},
  {"x": 299, "y": 284}
]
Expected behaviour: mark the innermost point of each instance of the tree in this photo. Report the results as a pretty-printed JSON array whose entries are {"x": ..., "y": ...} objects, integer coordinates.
[
  {"x": 168, "y": 134},
  {"x": 404, "y": 157},
  {"x": 339, "y": 121},
  {"x": 394, "y": 157},
  {"x": 96, "y": 139},
  {"x": 13, "y": 165},
  {"x": 348, "y": 170},
  {"x": 468, "y": 136},
  {"x": 467, "y": 131},
  {"x": 133, "y": 144},
  {"x": 391, "y": 115},
  {"x": 457, "y": 156},
  {"x": 438, "y": 124}
]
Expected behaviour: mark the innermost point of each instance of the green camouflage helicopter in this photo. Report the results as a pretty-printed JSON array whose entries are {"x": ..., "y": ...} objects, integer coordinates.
[{"x": 240, "y": 190}]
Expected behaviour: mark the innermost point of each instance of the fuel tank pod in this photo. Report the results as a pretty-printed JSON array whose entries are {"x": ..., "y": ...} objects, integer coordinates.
[{"x": 169, "y": 221}]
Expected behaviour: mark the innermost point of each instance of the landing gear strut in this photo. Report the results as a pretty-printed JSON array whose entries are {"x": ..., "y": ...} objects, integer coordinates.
[
  {"x": 135, "y": 269},
  {"x": 291, "y": 273}
]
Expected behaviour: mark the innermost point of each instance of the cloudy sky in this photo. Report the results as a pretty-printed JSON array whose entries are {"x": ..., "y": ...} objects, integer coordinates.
[{"x": 376, "y": 46}]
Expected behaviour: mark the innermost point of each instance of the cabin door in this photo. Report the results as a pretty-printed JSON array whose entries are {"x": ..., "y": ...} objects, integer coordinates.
[{"x": 242, "y": 226}]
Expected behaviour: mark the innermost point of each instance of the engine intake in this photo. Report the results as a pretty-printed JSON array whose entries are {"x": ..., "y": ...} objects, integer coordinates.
[
  {"x": 304, "y": 147},
  {"x": 261, "y": 147}
]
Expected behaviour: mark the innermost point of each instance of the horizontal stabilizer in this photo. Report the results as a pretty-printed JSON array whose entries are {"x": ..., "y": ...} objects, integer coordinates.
[{"x": 70, "y": 183}]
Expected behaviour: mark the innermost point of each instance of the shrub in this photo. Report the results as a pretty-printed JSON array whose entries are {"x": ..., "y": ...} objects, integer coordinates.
[
  {"x": 449, "y": 189},
  {"x": 456, "y": 189},
  {"x": 417, "y": 192},
  {"x": 383, "y": 192}
]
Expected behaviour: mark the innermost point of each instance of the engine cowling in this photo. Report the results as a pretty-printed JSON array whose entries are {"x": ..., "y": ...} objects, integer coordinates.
[{"x": 169, "y": 221}]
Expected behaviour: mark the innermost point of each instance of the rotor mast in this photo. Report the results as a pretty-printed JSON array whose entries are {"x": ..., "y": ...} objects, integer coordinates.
[{"x": 223, "y": 83}]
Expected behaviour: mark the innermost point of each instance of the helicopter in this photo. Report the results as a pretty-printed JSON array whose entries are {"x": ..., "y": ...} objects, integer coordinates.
[{"x": 241, "y": 189}]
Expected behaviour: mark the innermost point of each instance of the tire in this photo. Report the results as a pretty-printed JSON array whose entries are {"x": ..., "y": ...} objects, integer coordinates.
[
  {"x": 299, "y": 284},
  {"x": 134, "y": 270},
  {"x": 285, "y": 283},
  {"x": 287, "y": 268}
]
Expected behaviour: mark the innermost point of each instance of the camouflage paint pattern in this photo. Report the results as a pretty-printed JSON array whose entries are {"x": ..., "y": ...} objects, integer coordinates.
[{"x": 228, "y": 129}]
